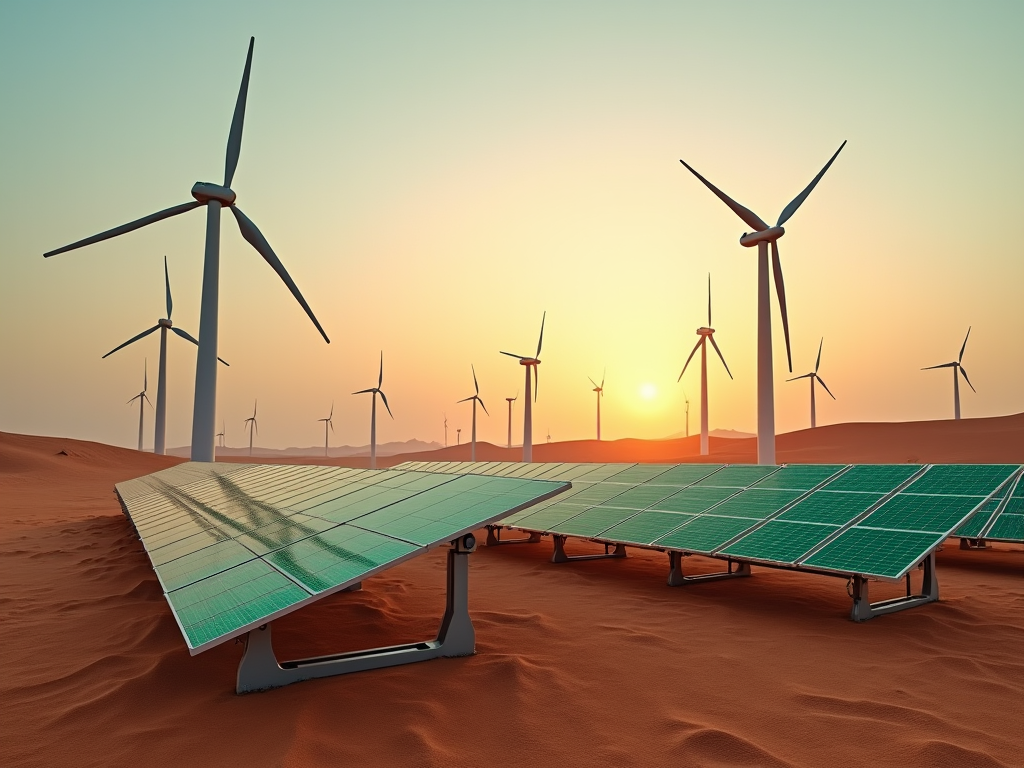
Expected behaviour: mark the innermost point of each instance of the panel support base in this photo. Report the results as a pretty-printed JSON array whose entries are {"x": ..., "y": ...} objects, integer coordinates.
[
  {"x": 676, "y": 578},
  {"x": 494, "y": 537},
  {"x": 973, "y": 544},
  {"x": 863, "y": 609},
  {"x": 559, "y": 556},
  {"x": 260, "y": 670}
]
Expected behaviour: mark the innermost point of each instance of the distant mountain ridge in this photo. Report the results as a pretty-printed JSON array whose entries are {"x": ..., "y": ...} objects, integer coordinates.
[
  {"x": 336, "y": 451},
  {"x": 728, "y": 434}
]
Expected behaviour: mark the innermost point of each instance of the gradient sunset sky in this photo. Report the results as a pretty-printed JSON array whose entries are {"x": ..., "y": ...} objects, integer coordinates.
[{"x": 436, "y": 175}]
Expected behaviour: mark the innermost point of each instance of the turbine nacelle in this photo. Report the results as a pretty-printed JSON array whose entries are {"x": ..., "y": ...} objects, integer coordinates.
[
  {"x": 164, "y": 322},
  {"x": 750, "y": 239},
  {"x": 705, "y": 331},
  {"x": 205, "y": 191},
  {"x": 528, "y": 361}
]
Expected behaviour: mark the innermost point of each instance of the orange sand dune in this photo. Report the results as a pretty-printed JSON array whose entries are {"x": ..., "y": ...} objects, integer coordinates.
[{"x": 593, "y": 663}]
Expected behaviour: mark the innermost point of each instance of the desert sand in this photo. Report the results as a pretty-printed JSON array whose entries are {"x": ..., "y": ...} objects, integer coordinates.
[{"x": 592, "y": 663}]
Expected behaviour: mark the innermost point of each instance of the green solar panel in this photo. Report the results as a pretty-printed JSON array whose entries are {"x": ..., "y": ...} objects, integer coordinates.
[
  {"x": 756, "y": 504},
  {"x": 874, "y": 552},
  {"x": 685, "y": 474},
  {"x": 1007, "y": 527},
  {"x": 833, "y": 507},
  {"x": 694, "y": 500},
  {"x": 962, "y": 479},
  {"x": 780, "y": 541},
  {"x": 737, "y": 476},
  {"x": 646, "y": 527},
  {"x": 874, "y": 478},
  {"x": 592, "y": 522},
  {"x": 911, "y": 512},
  {"x": 231, "y": 554},
  {"x": 705, "y": 533},
  {"x": 800, "y": 477}
]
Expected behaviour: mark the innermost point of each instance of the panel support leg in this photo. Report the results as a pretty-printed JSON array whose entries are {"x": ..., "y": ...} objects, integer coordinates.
[
  {"x": 863, "y": 609},
  {"x": 559, "y": 555},
  {"x": 973, "y": 544},
  {"x": 676, "y": 577},
  {"x": 259, "y": 668},
  {"x": 494, "y": 537}
]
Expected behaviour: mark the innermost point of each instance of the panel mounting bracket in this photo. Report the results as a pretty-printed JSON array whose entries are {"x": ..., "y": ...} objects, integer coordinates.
[
  {"x": 863, "y": 609},
  {"x": 260, "y": 670},
  {"x": 494, "y": 537},
  {"x": 559, "y": 555},
  {"x": 676, "y": 578}
]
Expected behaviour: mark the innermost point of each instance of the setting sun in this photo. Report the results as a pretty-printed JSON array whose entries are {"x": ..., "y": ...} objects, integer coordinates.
[{"x": 648, "y": 391}]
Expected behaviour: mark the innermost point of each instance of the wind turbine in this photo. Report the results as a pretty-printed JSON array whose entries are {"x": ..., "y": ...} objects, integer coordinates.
[
  {"x": 510, "y": 400},
  {"x": 328, "y": 422},
  {"x": 530, "y": 362},
  {"x": 600, "y": 393},
  {"x": 214, "y": 197},
  {"x": 687, "y": 400},
  {"x": 762, "y": 236},
  {"x": 251, "y": 424},
  {"x": 163, "y": 325},
  {"x": 373, "y": 411},
  {"x": 706, "y": 333},
  {"x": 143, "y": 399},
  {"x": 446, "y": 430},
  {"x": 476, "y": 399},
  {"x": 221, "y": 434},
  {"x": 955, "y": 365},
  {"x": 458, "y": 436},
  {"x": 813, "y": 376}
]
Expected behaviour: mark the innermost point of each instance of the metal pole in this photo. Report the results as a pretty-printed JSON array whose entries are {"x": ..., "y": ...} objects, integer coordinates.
[
  {"x": 160, "y": 430},
  {"x": 204, "y": 411},
  {"x": 765, "y": 384}
]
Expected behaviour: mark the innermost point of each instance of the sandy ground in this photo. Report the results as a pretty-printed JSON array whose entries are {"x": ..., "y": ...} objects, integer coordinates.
[{"x": 594, "y": 663}]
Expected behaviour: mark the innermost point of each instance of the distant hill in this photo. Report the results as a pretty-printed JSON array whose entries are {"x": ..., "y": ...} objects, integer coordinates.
[
  {"x": 728, "y": 434},
  {"x": 336, "y": 452}
]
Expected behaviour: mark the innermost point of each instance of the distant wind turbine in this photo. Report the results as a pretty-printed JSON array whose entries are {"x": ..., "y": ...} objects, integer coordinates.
[
  {"x": 252, "y": 425},
  {"x": 531, "y": 385},
  {"x": 163, "y": 325},
  {"x": 328, "y": 422},
  {"x": 220, "y": 434},
  {"x": 813, "y": 376},
  {"x": 706, "y": 333},
  {"x": 214, "y": 197},
  {"x": 458, "y": 436},
  {"x": 510, "y": 400},
  {"x": 446, "y": 430},
  {"x": 600, "y": 393},
  {"x": 142, "y": 398},
  {"x": 373, "y": 411},
  {"x": 762, "y": 236},
  {"x": 476, "y": 399},
  {"x": 955, "y": 365},
  {"x": 687, "y": 400}
]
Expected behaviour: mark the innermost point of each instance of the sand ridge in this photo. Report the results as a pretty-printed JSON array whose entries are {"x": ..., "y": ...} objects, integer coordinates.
[{"x": 577, "y": 664}]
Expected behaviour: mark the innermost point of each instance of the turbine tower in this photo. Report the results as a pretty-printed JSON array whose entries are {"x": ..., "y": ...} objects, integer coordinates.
[
  {"x": 142, "y": 398},
  {"x": 762, "y": 236},
  {"x": 214, "y": 197},
  {"x": 220, "y": 435},
  {"x": 955, "y": 365},
  {"x": 687, "y": 400},
  {"x": 458, "y": 436},
  {"x": 813, "y": 376},
  {"x": 328, "y": 422},
  {"x": 373, "y": 411},
  {"x": 251, "y": 424},
  {"x": 530, "y": 362},
  {"x": 446, "y": 430},
  {"x": 476, "y": 399},
  {"x": 600, "y": 393},
  {"x": 510, "y": 400},
  {"x": 163, "y": 325},
  {"x": 706, "y": 334}
]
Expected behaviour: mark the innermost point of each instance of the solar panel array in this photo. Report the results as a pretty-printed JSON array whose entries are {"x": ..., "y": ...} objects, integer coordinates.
[
  {"x": 868, "y": 520},
  {"x": 1001, "y": 519},
  {"x": 236, "y": 545}
]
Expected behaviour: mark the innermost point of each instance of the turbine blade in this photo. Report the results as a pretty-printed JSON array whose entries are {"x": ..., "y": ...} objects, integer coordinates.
[
  {"x": 964, "y": 346},
  {"x": 592, "y": 381},
  {"x": 382, "y": 397},
  {"x": 188, "y": 337},
  {"x": 750, "y": 218},
  {"x": 687, "y": 363},
  {"x": 475, "y": 385},
  {"x": 124, "y": 228},
  {"x": 479, "y": 400},
  {"x": 825, "y": 385},
  {"x": 720, "y": 357},
  {"x": 603, "y": 377},
  {"x": 365, "y": 391},
  {"x": 167, "y": 284},
  {"x": 709, "y": 299},
  {"x": 536, "y": 382},
  {"x": 259, "y": 242},
  {"x": 235, "y": 135},
  {"x": 517, "y": 357},
  {"x": 540, "y": 340},
  {"x": 790, "y": 209},
  {"x": 944, "y": 365},
  {"x": 780, "y": 289},
  {"x": 465, "y": 399},
  {"x": 818, "y": 362},
  {"x": 964, "y": 374},
  {"x": 145, "y": 376},
  {"x": 380, "y": 377},
  {"x": 802, "y": 376},
  {"x": 132, "y": 340},
  {"x": 331, "y": 423},
  {"x": 331, "y": 416}
]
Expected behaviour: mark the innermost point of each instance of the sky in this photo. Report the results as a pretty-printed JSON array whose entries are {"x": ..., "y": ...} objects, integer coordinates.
[{"x": 435, "y": 176}]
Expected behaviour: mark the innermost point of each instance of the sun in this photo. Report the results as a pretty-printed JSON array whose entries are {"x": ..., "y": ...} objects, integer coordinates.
[{"x": 648, "y": 391}]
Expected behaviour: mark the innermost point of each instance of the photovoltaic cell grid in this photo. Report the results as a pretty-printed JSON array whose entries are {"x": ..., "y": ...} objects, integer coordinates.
[
  {"x": 236, "y": 545},
  {"x": 1001, "y": 519},
  {"x": 871, "y": 520}
]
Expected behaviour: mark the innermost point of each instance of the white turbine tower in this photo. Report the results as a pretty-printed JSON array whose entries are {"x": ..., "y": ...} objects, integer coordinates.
[
  {"x": 476, "y": 399},
  {"x": 328, "y": 422},
  {"x": 510, "y": 400},
  {"x": 252, "y": 425},
  {"x": 813, "y": 376},
  {"x": 706, "y": 334},
  {"x": 214, "y": 197},
  {"x": 143, "y": 399},
  {"x": 163, "y": 325},
  {"x": 534, "y": 385},
  {"x": 687, "y": 400},
  {"x": 956, "y": 366},
  {"x": 373, "y": 411},
  {"x": 600, "y": 393},
  {"x": 762, "y": 236}
]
